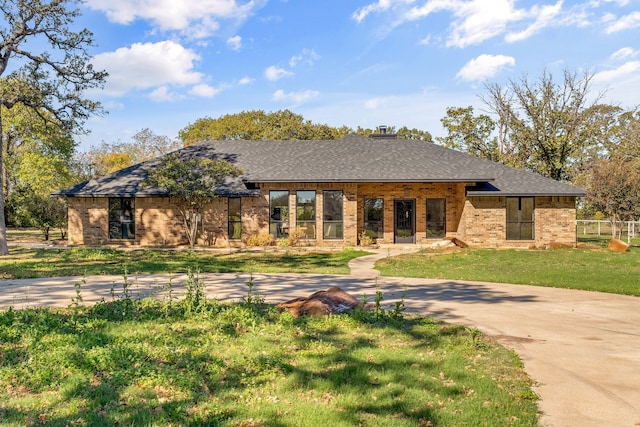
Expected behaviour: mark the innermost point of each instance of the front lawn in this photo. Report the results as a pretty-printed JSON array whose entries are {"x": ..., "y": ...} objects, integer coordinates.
[
  {"x": 22, "y": 263},
  {"x": 593, "y": 270},
  {"x": 194, "y": 362}
]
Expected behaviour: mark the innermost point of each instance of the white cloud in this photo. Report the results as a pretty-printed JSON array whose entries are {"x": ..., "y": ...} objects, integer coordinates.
[
  {"x": 307, "y": 56},
  {"x": 382, "y": 5},
  {"x": 295, "y": 97},
  {"x": 162, "y": 94},
  {"x": 374, "y": 103},
  {"x": 246, "y": 81},
  {"x": 544, "y": 16},
  {"x": 480, "y": 20},
  {"x": 484, "y": 66},
  {"x": 196, "y": 18},
  {"x": 147, "y": 65},
  {"x": 274, "y": 73},
  {"x": 204, "y": 91},
  {"x": 625, "y": 71},
  {"x": 624, "y": 53},
  {"x": 235, "y": 42},
  {"x": 630, "y": 21},
  {"x": 475, "y": 21}
]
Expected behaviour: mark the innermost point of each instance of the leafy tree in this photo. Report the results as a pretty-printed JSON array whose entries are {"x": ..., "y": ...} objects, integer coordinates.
[
  {"x": 415, "y": 134},
  {"x": 28, "y": 137},
  {"x": 44, "y": 212},
  {"x": 628, "y": 142},
  {"x": 52, "y": 69},
  {"x": 257, "y": 125},
  {"x": 401, "y": 133},
  {"x": 470, "y": 134},
  {"x": 614, "y": 188},
  {"x": 545, "y": 126},
  {"x": 145, "y": 145},
  {"x": 191, "y": 182}
]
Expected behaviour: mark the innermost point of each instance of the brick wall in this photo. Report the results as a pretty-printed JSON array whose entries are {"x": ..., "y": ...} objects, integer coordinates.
[
  {"x": 453, "y": 193},
  {"x": 483, "y": 223},
  {"x": 479, "y": 221},
  {"x": 88, "y": 221}
]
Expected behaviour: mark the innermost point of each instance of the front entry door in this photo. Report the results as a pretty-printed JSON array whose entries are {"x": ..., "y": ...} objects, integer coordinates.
[{"x": 405, "y": 221}]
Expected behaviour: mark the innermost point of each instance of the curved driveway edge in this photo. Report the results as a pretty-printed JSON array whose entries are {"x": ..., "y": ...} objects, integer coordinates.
[{"x": 582, "y": 348}]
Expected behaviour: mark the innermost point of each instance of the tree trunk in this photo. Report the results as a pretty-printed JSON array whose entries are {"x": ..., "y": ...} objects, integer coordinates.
[{"x": 4, "y": 249}]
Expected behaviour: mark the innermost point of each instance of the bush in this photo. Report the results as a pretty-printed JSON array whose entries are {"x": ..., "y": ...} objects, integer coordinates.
[
  {"x": 296, "y": 235},
  {"x": 260, "y": 239}
]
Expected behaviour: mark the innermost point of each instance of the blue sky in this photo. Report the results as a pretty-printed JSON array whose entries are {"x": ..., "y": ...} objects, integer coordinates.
[{"x": 354, "y": 63}]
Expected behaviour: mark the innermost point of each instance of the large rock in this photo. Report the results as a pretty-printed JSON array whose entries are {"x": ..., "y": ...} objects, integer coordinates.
[
  {"x": 322, "y": 303},
  {"x": 618, "y": 245}
]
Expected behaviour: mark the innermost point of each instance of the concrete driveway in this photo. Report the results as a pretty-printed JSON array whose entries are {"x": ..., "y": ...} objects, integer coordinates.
[{"x": 582, "y": 348}]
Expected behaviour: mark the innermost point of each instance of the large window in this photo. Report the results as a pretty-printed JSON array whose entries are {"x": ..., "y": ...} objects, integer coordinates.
[
  {"x": 374, "y": 218},
  {"x": 436, "y": 218},
  {"x": 279, "y": 213},
  {"x": 122, "y": 218},
  {"x": 306, "y": 213},
  {"x": 520, "y": 213},
  {"x": 235, "y": 218},
  {"x": 332, "y": 226}
]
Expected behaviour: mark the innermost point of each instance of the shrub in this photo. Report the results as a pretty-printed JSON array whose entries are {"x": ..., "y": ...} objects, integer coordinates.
[
  {"x": 296, "y": 235},
  {"x": 365, "y": 240},
  {"x": 260, "y": 239}
]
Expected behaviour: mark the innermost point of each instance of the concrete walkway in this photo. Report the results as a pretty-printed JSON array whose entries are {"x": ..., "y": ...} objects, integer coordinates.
[{"x": 582, "y": 348}]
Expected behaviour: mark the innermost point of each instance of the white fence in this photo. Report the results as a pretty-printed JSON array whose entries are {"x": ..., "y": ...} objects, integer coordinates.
[{"x": 620, "y": 229}]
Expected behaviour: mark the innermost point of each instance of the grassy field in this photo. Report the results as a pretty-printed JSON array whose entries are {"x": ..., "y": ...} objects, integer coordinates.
[
  {"x": 594, "y": 270},
  {"x": 27, "y": 263},
  {"x": 197, "y": 362}
]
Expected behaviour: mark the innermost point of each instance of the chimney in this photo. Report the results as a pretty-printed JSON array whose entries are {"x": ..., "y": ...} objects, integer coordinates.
[{"x": 382, "y": 133}]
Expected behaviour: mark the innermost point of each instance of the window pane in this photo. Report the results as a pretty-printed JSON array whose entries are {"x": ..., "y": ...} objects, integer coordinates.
[
  {"x": 306, "y": 205},
  {"x": 526, "y": 231},
  {"x": 526, "y": 206},
  {"x": 332, "y": 205},
  {"x": 114, "y": 210},
  {"x": 235, "y": 207},
  {"x": 436, "y": 218},
  {"x": 127, "y": 209},
  {"x": 122, "y": 218},
  {"x": 309, "y": 229},
  {"x": 235, "y": 218},
  {"x": 333, "y": 230},
  {"x": 279, "y": 213},
  {"x": 513, "y": 231},
  {"x": 374, "y": 218},
  {"x": 520, "y": 218},
  {"x": 513, "y": 209},
  {"x": 306, "y": 213}
]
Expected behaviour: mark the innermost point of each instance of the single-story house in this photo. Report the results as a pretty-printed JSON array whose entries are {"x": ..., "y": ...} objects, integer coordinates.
[{"x": 392, "y": 190}]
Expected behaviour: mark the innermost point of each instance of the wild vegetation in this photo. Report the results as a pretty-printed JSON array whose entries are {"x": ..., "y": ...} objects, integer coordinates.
[{"x": 199, "y": 362}]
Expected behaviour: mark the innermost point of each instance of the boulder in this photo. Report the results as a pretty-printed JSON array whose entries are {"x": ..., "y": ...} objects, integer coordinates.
[
  {"x": 618, "y": 245},
  {"x": 459, "y": 243},
  {"x": 322, "y": 303}
]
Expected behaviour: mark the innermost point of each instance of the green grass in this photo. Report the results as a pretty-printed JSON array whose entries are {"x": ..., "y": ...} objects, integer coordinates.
[
  {"x": 150, "y": 362},
  {"x": 593, "y": 270},
  {"x": 30, "y": 263}
]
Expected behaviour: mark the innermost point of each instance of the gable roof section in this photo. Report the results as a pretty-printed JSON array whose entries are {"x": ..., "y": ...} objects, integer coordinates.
[{"x": 350, "y": 159}]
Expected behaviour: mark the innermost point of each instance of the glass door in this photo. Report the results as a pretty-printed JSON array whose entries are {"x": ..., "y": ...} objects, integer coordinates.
[{"x": 405, "y": 221}]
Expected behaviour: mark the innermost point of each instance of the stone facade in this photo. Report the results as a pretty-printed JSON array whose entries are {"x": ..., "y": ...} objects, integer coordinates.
[{"x": 478, "y": 221}]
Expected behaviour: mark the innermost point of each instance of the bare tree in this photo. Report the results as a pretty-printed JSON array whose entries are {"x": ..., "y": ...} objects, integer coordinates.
[{"x": 52, "y": 68}]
